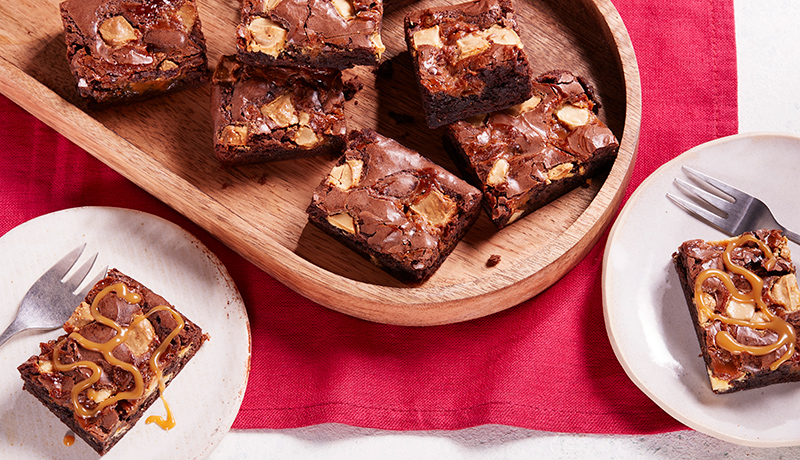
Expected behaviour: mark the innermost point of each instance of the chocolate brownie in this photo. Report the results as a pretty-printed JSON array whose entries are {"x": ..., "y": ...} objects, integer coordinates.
[
  {"x": 529, "y": 154},
  {"x": 393, "y": 206},
  {"x": 468, "y": 59},
  {"x": 133, "y": 49},
  {"x": 317, "y": 33},
  {"x": 745, "y": 304},
  {"x": 275, "y": 113},
  {"x": 123, "y": 345}
]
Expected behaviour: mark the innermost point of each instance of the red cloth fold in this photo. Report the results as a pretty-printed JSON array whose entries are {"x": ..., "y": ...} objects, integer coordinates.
[{"x": 545, "y": 364}]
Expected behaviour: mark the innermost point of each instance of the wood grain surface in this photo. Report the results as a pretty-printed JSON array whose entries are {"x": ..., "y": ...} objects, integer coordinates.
[{"x": 164, "y": 145}]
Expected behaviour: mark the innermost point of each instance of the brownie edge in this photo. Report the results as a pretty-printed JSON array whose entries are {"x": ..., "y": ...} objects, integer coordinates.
[
  {"x": 393, "y": 206},
  {"x": 102, "y": 412},
  {"x": 747, "y": 338}
]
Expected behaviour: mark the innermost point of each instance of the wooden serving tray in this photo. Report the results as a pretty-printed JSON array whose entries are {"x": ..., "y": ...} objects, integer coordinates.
[{"x": 164, "y": 146}]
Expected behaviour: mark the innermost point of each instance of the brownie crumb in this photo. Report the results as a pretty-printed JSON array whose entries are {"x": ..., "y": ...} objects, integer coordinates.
[
  {"x": 494, "y": 259},
  {"x": 351, "y": 87}
]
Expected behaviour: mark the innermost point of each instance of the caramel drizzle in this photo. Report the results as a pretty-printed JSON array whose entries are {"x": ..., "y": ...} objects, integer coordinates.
[
  {"x": 107, "y": 349},
  {"x": 785, "y": 331}
]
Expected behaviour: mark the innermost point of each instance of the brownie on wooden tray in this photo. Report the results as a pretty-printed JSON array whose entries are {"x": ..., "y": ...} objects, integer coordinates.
[
  {"x": 275, "y": 113},
  {"x": 122, "y": 346},
  {"x": 133, "y": 49},
  {"x": 527, "y": 155},
  {"x": 316, "y": 33},
  {"x": 468, "y": 59},
  {"x": 744, "y": 301},
  {"x": 393, "y": 206}
]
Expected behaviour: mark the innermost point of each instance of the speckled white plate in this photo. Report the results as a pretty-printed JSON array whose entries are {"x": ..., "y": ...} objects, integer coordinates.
[
  {"x": 205, "y": 397},
  {"x": 646, "y": 315}
]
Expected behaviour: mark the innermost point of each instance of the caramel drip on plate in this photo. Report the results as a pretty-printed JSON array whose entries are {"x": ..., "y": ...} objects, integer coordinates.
[
  {"x": 69, "y": 439},
  {"x": 107, "y": 349},
  {"x": 785, "y": 331}
]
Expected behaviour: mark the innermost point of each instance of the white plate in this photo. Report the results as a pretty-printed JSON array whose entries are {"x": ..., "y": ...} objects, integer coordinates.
[
  {"x": 206, "y": 395},
  {"x": 646, "y": 316}
]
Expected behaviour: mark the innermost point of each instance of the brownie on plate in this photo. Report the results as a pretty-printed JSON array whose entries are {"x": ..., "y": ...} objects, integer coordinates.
[
  {"x": 316, "y": 33},
  {"x": 275, "y": 113},
  {"x": 744, "y": 301},
  {"x": 124, "y": 50},
  {"x": 393, "y": 206},
  {"x": 527, "y": 155},
  {"x": 468, "y": 59},
  {"x": 123, "y": 345}
]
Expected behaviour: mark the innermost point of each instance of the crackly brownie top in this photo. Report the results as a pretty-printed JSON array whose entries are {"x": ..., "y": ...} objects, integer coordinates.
[
  {"x": 137, "y": 32},
  {"x": 536, "y": 142},
  {"x": 747, "y": 299},
  {"x": 394, "y": 199},
  {"x": 453, "y": 44},
  {"x": 309, "y": 26},
  {"x": 117, "y": 342},
  {"x": 301, "y": 103}
]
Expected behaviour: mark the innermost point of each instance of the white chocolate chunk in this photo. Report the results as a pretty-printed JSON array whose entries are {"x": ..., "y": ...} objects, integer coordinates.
[
  {"x": 470, "y": 45},
  {"x": 560, "y": 171},
  {"x": 519, "y": 109},
  {"x": 270, "y": 5},
  {"x": 378, "y": 43},
  {"x": 305, "y": 137},
  {"x": 498, "y": 174},
  {"x": 740, "y": 310},
  {"x": 117, "y": 31},
  {"x": 436, "y": 208},
  {"x": 573, "y": 116},
  {"x": 786, "y": 292},
  {"x": 233, "y": 135},
  {"x": 266, "y": 36},
  {"x": 345, "y": 8},
  {"x": 429, "y": 36},
  {"x": 281, "y": 111},
  {"x": 347, "y": 175},
  {"x": 343, "y": 221},
  {"x": 503, "y": 36}
]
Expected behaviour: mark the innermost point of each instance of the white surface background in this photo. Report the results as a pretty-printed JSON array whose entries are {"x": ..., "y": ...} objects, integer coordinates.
[{"x": 768, "y": 49}]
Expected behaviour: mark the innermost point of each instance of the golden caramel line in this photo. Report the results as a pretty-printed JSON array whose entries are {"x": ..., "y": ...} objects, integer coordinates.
[
  {"x": 169, "y": 422},
  {"x": 107, "y": 349},
  {"x": 785, "y": 331}
]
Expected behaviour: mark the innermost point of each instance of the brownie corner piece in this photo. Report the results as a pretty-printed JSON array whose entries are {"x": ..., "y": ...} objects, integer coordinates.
[
  {"x": 315, "y": 33},
  {"x": 744, "y": 303},
  {"x": 468, "y": 59},
  {"x": 121, "y": 51},
  {"x": 275, "y": 113},
  {"x": 121, "y": 347},
  {"x": 529, "y": 154},
  {"x": 393, "y": 206}
]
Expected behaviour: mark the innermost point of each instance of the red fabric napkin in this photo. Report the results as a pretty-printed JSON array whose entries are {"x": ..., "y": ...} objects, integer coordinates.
[{"x": 546, "y": 364}]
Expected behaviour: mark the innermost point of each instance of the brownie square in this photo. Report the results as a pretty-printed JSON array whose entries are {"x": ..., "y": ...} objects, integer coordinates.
[
  {"x": 393, "y": 206},
  {"x": 275, "y": 113},
  {"x": 123, "y": 345},
  {"x": 744, "y": 302},
  {"x": 133, "y": 49},
  {"x": 316, "y": 33},
  {"x": 468, "y": 59},
  {"x": 527, "y": 155}
]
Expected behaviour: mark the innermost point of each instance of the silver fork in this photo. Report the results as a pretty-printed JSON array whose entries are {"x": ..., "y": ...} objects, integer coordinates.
[
  {"x": 52, "y": 299},
  {"x": 740, "y": 212}
]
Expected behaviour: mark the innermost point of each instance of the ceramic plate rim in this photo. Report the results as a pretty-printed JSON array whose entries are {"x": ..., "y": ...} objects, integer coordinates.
[
  {"x": 614, "y": 313},
  {"x": 201, "y": 265}
]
